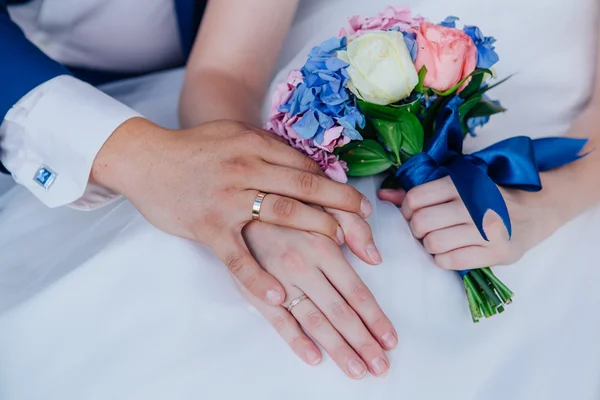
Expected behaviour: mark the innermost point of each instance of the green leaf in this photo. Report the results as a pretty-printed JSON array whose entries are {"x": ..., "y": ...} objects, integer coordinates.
[
  {"x": 485, "y": 108},
  {"x": 368, "y": 168},
  {"x": 452, "y": 90},
  {"x": 413, "y": 135},
  {"x": 366, "y": 150},
  {"x": 366, "y": 158},
  {"x": 496, "y": 84},
  {"x": 390, "y": 112},
  {"x": 422, "y": 73},
  {"x": 464, "y": 110},
  {"x": 391, "y": 134},
  {"x": 432, "y": 113},
  {"x": 466, "y": 107},
  {"x": 473, "y": 87}
]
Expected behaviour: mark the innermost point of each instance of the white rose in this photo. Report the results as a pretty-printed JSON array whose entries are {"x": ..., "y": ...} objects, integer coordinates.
[{"x": 381, "y": 69}]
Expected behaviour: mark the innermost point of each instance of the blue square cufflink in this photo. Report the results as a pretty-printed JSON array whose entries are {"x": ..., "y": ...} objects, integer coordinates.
[{"x": 45, "y": 177}]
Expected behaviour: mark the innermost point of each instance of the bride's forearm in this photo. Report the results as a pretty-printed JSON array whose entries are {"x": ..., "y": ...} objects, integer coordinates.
[
  {"x": 575, "y": 188},
  {"x": 213, "y": 95}
]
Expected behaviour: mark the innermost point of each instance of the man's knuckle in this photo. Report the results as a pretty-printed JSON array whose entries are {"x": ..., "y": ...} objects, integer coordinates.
[
  {"x": 311, "y": 166},
  {"x": 308, "y": 183},
  {"x": 235, "y": 263},
  {"x": 249, "y": 282},
  {"x": 284, "y": 207}
]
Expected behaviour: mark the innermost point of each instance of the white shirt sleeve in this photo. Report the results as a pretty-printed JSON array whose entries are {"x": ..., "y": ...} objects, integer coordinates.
[{"x": 50, "y": 138}]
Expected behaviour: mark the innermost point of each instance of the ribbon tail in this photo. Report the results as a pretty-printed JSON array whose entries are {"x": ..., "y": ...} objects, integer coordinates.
[
  {"x": 478, "y": 192},
  {"x": 553, "y": 153}
]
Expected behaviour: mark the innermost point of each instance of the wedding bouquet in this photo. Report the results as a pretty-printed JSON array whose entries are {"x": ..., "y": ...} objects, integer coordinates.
[{"x": 398, "y": 94}]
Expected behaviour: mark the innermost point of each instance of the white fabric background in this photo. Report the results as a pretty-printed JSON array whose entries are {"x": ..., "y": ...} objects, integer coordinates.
[{"x": 103, "y": 306}]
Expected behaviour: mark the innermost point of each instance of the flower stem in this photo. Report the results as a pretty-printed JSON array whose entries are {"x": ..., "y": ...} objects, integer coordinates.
[{"x": 486, "y": 294}]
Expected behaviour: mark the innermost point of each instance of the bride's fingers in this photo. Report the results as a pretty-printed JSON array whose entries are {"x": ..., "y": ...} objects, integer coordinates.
[
  {"x": 394, "y": 196},
  {"x": 343, "y": 277},
  {"x": 319, "y": 327},
  {"x": 284, "y": 211},
  {"x": 236, "y": 256},
  {"x": 358, "y": 235},
  {"x": 347, "y": 322},
  {"x": 429, "y": 194},
  {"x": 471, "y": 257},
  {"x": 448, "y": 239},
  {"x": 429, "y": 219},
  {"x": 288, "y": 328}
]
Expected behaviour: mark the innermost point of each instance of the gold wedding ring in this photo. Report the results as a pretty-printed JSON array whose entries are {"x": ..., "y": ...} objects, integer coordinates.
[
  {"x": 296, "y": 301},
  {"x": 257, "y": 205}
]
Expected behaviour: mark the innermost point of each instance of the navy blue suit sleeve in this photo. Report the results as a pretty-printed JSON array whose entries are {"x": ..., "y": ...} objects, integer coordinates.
[{"x": 22, "y": 65}]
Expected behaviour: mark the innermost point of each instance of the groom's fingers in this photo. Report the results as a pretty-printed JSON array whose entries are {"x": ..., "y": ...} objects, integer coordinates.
[
  {"x": 311, "y": 188},
  {"x": 358, "y": 236},
  {"x": 236, "y": 256},
  {"x": 284, "y": 211}
]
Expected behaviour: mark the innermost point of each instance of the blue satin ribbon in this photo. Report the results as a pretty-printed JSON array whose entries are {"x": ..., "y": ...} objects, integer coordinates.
[{"x": 512, "y": 163}]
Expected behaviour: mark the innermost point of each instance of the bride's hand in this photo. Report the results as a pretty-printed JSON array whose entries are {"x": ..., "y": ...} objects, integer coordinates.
[
  {"x": 201, "y": 183},
  {"x": 340, "y": 312},
  {"x": 438, "y": 217}
]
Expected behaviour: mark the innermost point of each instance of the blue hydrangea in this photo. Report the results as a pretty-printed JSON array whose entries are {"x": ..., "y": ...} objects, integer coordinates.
[
  {"x": 486, "y": 52},
  {"x": 449, "y": 22},
  {"x": 323, "y": 97}
]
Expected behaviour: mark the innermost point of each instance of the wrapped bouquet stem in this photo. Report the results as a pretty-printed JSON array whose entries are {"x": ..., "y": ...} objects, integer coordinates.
[{"x": 396, "y": 94}]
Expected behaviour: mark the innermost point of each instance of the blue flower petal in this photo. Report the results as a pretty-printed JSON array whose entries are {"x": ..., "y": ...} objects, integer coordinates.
[
  {"x": 486, "y": 52},
  {"x": 308, "y": 126},
  {"x": 322, "y": 98},
  {"x": 449, "y": 22},
  {"x": 410, "y": 38}
]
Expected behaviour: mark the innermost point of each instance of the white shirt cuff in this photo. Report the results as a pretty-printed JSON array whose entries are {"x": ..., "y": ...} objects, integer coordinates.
[{"x": 61, "y": 125}]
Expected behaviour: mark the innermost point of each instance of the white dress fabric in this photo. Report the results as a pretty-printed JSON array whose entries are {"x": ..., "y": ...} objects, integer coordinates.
[{"x": 101, "y": 305}]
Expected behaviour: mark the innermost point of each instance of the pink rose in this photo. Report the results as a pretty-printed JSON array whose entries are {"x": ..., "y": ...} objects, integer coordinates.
[{"x": 449, "y": 55}]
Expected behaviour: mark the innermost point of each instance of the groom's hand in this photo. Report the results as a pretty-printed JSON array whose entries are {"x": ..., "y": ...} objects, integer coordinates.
[{"x": 201, "y": 184}]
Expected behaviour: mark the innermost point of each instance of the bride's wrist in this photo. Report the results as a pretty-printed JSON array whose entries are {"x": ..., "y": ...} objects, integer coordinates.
[{"x": 126, "y": 156}]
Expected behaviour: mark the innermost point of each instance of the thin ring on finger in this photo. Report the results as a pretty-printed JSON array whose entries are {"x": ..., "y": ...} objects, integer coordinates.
[{"x": 296, "y": 301}]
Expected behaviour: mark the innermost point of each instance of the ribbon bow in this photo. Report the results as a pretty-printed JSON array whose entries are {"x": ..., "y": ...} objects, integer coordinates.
[{"x": 513, "y": 163}]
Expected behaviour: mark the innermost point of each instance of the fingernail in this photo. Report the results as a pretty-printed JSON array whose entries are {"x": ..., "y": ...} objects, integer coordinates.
[
  {"x": 274, "y": 297},
  {"x": 374, "y": 254},
  {"x": 357, "y": 369},
  {"x": 365, "y": 207},
  {"x": 389, "y": 340},
  {"x": 340, "y": 236},
  {"x": 380, "y": 367},
  {"x": 312, "y": 357}
]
